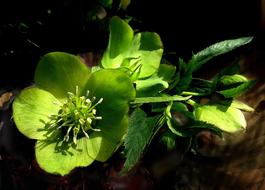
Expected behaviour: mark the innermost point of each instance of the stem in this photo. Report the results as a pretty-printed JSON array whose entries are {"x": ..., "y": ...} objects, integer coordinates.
[
  {"x": 192, "y": 103},
  {"x": 143, "y": 100},
  {"x": 186, "y": 93}
]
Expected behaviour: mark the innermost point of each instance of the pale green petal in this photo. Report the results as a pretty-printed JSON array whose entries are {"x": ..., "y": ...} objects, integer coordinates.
[
  {"x": 148, "y": 48},
  {"x": 54, "y": 160},
  {"x": 31, "y": 110},
  {"x": 117, "y": 91},
  {"x": 101, "y": 145},
  {"x": 228, "y": 119},
  {"x": 120, "y": 39},
  {"x": 59, "y": 73}
]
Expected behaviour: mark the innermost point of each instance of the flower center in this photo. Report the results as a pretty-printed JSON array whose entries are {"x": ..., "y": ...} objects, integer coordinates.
[{"x": 76, "y": 116}]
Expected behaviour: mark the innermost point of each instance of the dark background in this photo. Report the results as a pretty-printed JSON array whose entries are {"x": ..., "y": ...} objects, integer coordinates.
[{"x": 29, "y": 29}]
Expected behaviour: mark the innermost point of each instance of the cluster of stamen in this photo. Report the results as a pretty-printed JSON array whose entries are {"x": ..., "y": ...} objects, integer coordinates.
[{"x": 76, "y": 116}]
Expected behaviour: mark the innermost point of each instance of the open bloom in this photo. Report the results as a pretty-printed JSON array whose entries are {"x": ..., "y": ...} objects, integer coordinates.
[{"x": 76, "y": 116}]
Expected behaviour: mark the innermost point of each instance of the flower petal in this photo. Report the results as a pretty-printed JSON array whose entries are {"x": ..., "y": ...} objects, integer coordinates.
[
  {"x": 120, "y": 39},
  {"x": 31, "y": 110},
  {"x": 59, "y": 73},
  {"x": 117, "y": 91},
  {"x": 101, "y": 145},
  {"x": 61, "y": 160}
]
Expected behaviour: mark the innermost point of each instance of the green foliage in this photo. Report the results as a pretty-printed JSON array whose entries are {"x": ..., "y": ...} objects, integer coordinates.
[
  {"x": 239, "y": 105},
  {"x": 214, "y": 50},
  {"x": 141, "y": 130},
  {"x": 163, "y": 89},
  {"x": 169, "y": 140},
  {"x": 228, "y": 119},
  {"x": 106, "y": 3},
  {"x": 233, "y": 85},
  {"x": 124, "y": 4},
  {"x": 206, "y": 55},
  {"x": 158, "y": 82}
]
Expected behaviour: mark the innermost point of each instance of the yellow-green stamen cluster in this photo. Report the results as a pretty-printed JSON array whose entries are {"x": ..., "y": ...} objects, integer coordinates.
[{"x": 76, "y": 117}]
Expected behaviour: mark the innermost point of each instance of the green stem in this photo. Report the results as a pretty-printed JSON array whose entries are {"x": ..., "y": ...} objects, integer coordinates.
[
  {"x": 192, "y": 103},
  {"x": 186, "y": 93},
  {"x": 143, "y": 100}
]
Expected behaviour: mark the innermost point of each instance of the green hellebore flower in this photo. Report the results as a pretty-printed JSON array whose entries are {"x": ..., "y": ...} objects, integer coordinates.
[{"x": 76, "y": 116}]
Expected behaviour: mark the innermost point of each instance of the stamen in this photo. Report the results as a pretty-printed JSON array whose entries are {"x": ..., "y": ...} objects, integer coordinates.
[
  {"x": 76, "y": 116},
  {"x": 84, "y": 132},
  {"x": 100, "y": 101},
  {"x": 66, "y": 137},
  {"x": 75, "y": 132},
  {"x": 89, "y": 120},
  {"x": 97, "y": 130},
  {"x": 70, "y": 94},
  {"x": 76, "y": 90},
  {"x": 81, "y": 121},
  {"x": 87, "y": 93}
]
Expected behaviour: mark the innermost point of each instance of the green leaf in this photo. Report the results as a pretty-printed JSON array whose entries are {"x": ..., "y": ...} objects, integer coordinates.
[
  {"x": 120, "y": 40},
  {"x": 184, "y": 82},
  {"x": 182, "y": 66},
  {"x": 140, "y": 133},
  {"x": 156, "y": 83},
  {"x": 237, "y": 91},
  {"x": 31, "y": 111},
  {"x": 124, "y": 4},
  {"x": 61, "y": 159},
  {"x": 227, "y": 80},
  {"x": 179, "y": 107},
  {"x": 230, "y": 70},
  {"x": 198, "y": 126},
  {"x": 106, "y": 3},
  {"x": 166, "y": 72},
  {"x": 184, "y": 77},
  {"x": 59, "y": 73},
  {"x": 238, "y": 104},
  {"x": 169, "y": 140},
  {"x": 242, "y": 106},
  {"x": 199, "y": 87},
  {"x": 175, "y": 125},
  {"x": 216, "y": 49},
  {"x": 228, "y": 119},
  {"x": 144, "y": 100},
  {"x": 150, "y": 86}
]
